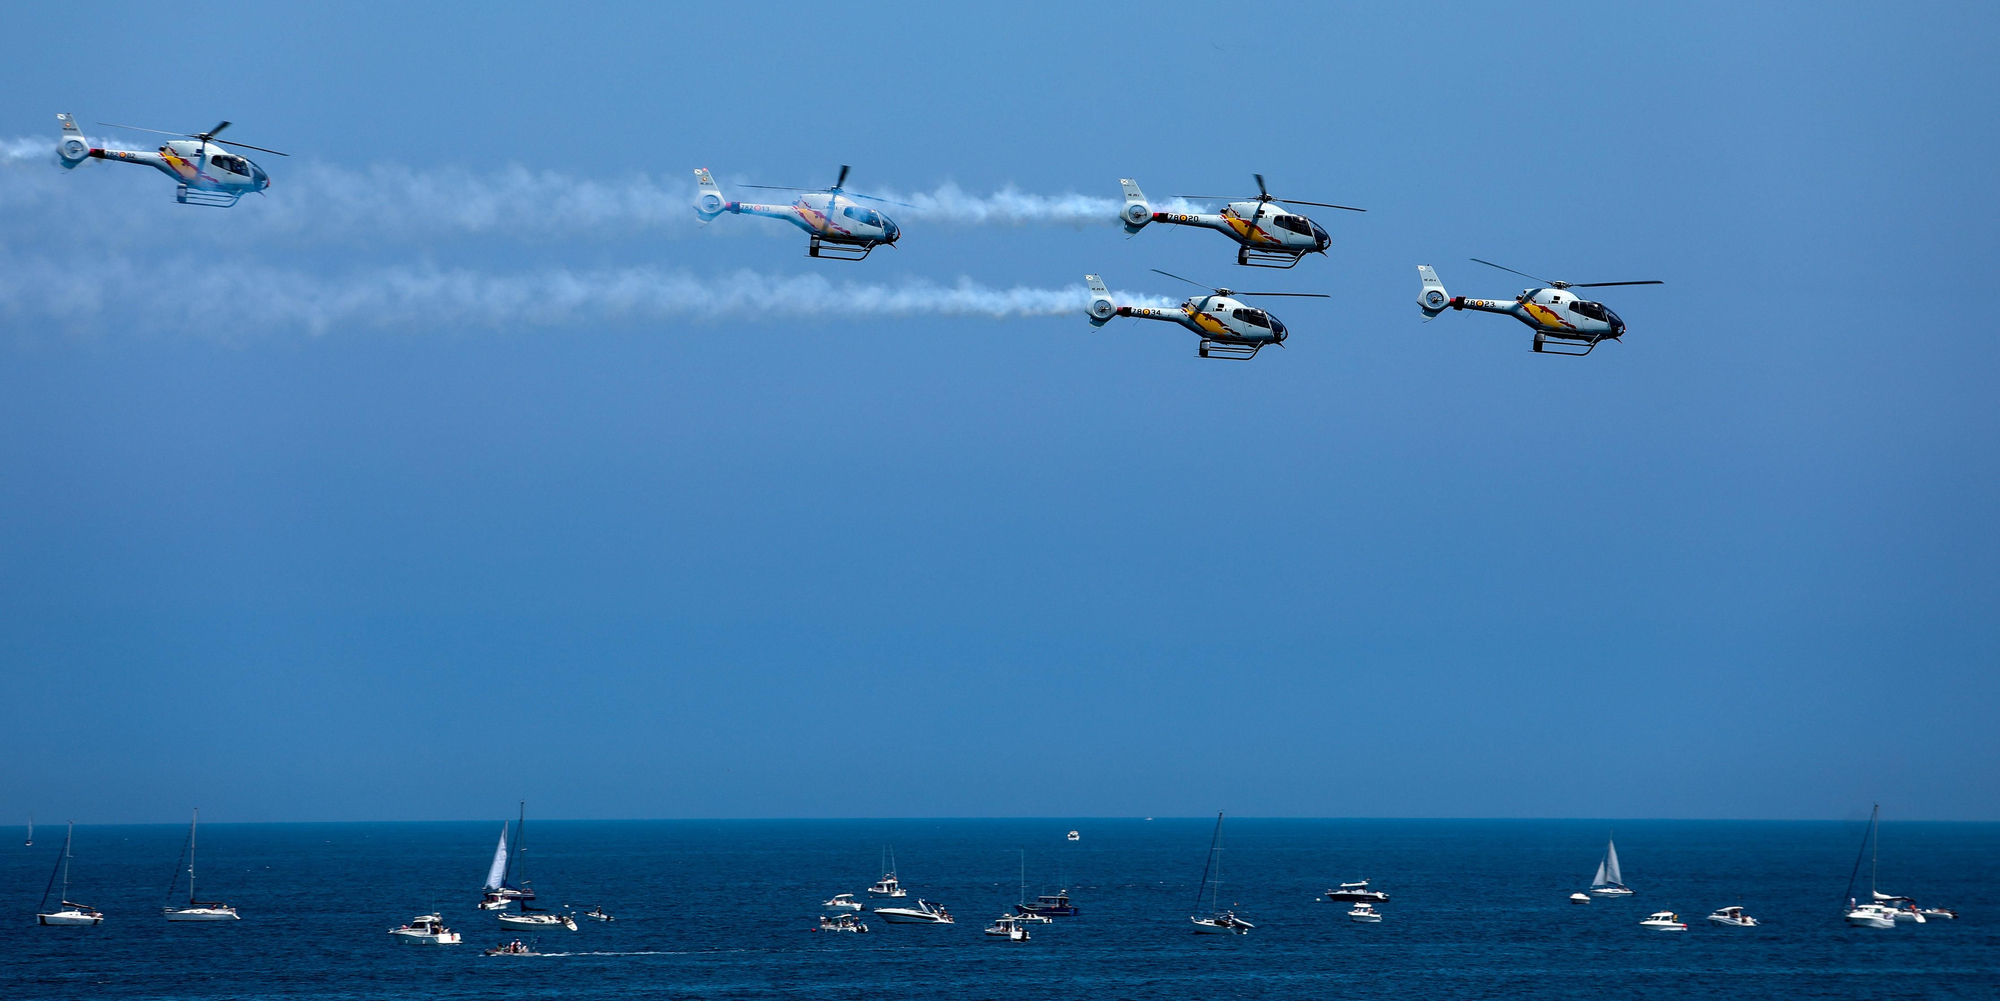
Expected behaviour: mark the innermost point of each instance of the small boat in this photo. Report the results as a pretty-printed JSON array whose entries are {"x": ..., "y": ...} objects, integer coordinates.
[
  {"x": 1579, "y": 898},
  {"x": 1073, "y": 836},
  {"x": 1609, "y": 882},
  {"x": 1050, "y": 905},
  {"x": 841, "y": 922},
  {"x": 67, "y": 912},
  {"x": 514, "y": 948},
  {"x": 888, "y": 886},
  {"x": 1219, "y": 921},
  {"x": 925, "y": 913},
  {"x": 1664, "y": 921},
  {"x": 1938, "y": 912},
  {"x": 1878, "y": 912},
  {"x": 1365, "y": 913},
  {"x": 535, "y": 919},
  {"x": 597, "y": 914},
  {"x": 841, "y": 902},
  {"x": 1008, "y": 926},
  {"x": 504, "y": 884},
  {"x": 1733, "y": 916},
  {"x": 196, "y": 910},
  {"x": 1034, "y": 919},
  {"x": 426, "y": 929},
  {"x": 1357, "y": 891}
]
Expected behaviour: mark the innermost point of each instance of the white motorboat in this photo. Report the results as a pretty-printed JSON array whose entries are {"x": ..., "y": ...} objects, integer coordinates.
[
  {"x": 841, "y": 922},
  {"x": 1579, "y": 898},
  {"x": 888, "y": 886},
  {"x": 1870, "y": 916},
  {"x": 597, "y": 914},
  {"x": 1609, "y": 882},
  {"x": 1357, "y": 891},
  {"x": 196, "y": 910},
  {"x": 1734, "y": 917},
  {"x": 1008, "y": 926},
  {"x": 1935, "y": 913},
  {"x": 1073, "y": 836},
  {"x": 842, "y": 902},
  {"x": 1883, "y": 910},
  {"x": 925, "y": 913},
  {"x": 1365, "y": 913},
  {"x": 67, "y": 912},
  {"x": 1219, "y": 921},
  {"x": 426, "y": 929},
  {"x": 530, "y": 919},
  {"x": 1664, "y": 921},
  {"x": 1034, "y": 919}
]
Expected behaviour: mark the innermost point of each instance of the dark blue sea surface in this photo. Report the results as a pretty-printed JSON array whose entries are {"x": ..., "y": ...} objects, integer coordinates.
[{"x": 720, "y": 909}]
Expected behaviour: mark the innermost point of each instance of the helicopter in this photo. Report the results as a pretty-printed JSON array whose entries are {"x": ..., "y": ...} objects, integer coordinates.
[
  {"x": 842, "y": 229},
  {"x": 208, "y": 174},
  {"x": 1229, "y": 328},
  {"x": 1562, "y": 320},
  {"x": 1268, "y": 237}
]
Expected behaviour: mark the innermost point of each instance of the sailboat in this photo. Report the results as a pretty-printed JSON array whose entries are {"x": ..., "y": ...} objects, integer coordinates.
[
  {"x": 504, "y": 884},
  {"x": 196, "y": 910},
  {"x": 31, "y": 831},
  {"x": 1219, "y": 922},
  {"x": 1609, "y": 882},
  {"x": 68, "y": 913},
  {"x": 515, "y": 890},
  {"x": 1878, "y": 912}
]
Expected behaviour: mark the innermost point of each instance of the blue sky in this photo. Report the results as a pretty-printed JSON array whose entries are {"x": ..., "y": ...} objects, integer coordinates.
[{"x": 285, "y": 545}]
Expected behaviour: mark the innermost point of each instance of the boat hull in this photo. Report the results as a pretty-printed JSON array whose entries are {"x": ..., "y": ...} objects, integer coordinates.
[
  {"x": 1609, "y": 891},
  {"x": 535, "y": 922},
  {"x": 70, "y": 918},
  {"x": 901, "y": 916},
  {"x": 1203, "y": 926},
  {"x": 202, "y": 914},
  {"x": 1368, "y": 919},
  {"x": 414, "y": 938}
]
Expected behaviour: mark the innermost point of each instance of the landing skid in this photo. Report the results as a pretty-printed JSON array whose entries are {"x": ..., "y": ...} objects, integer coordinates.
[
  {"x": 1556, "y": 346},
  {"x": 838, "y": 251},
  {"x": 214, "y": 199},
  {"x": 1228, "y": 352},
  {"x": 1269, "y": 258}
]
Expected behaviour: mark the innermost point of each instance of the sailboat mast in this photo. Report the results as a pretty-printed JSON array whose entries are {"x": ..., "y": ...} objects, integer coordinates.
[
  {"x": 1875, "y": 829},
  {"x": 66, "y": 857},
  {"x": 192, "y": 826},
  {"x": 1024, "y": 875},
  {"x": 1215, "y": 894}
]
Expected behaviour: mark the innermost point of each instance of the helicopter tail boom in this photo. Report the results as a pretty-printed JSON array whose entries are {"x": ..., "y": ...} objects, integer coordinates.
[
  {"x": 72, "y": 148},
  {"x": 1433, "y": 299},
  {"x": 1137, "y": 211}
]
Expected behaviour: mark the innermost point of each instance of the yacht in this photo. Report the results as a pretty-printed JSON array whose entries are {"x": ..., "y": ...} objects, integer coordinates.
[
  {"x": 841, "y": 922},
  {"x": 1357, "y": 891},
  {"x": 888, "y": 886},
  {"x": 1733, "y": 916},
  {"x": 925, "y": 913},
  {"x": 535, "y": 919},
  {"x": 1219, "y": 921},
  {"x": 196, "y": 910},
  {"x": 426, "y": 929},
  {"x": 67, "y": 912},
  {"x": 1365, "y": 913},
  {"x": 1664, "y": 921},
  {"x": 1055, "y": 905},
  {"x": 1609, "y": 882},
  {"x": 597, "y": 914},
  {"x": 1870, "y": 915},
  {"x": 842, "y": 902},
  {"x": 1880, "y": 911},
  {"x": 1579, "y": 898},
  {"x": 1008, "y": 926},
  {"x": 514, "y": 948}
]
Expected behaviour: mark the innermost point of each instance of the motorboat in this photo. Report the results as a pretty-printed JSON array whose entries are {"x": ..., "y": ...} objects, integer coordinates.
[
  {"x": 841, "y": 922},
  {"x": 514, "y": 948},
  {"x": 1034, "y": 919},
  {"x": 67, "y": 912},
  {"x": 1733, "y": 916},
  {"x": 1221, "y": 923},
  {"x": 842, "y": 902},
  {"x": 1870, "y": 916},
  {"x": 533, "y": 919},
  {"x": 1904, "y": 908},
  {"x": 597, "y": 914},
  {"x": 1365, "y": 913},
  {"x": 1008, "y": 926},
  {"x": 1073, "y": 836},
  {"x": 1609, "y": 882},
  {"x": 196, "y": 910},
  {"x": 1050, "y": 905},
  {"x": 925, "y": 913},
  {"x": 1664, "y": 921},
  {"x": 1357, "y": 892},
  {"x": 1579, "y": 898},
  {"x": 426, "y": 929},
  {"x": 1938, "y": 912}
]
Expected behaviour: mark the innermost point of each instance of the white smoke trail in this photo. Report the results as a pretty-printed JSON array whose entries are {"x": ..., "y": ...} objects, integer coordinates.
[
  {"x": 254, "y": 299},
  {"x": 1011, "y": 206}
]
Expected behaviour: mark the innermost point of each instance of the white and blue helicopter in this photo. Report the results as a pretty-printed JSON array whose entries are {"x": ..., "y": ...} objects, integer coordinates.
[
  {"x": 1562, "y": 320},
  {"x": 842, "y": 228},
  {"x": 208, "y": 174},
  {"x": 1266, "y": 237},
  {"x": 1229, "y": 328}
]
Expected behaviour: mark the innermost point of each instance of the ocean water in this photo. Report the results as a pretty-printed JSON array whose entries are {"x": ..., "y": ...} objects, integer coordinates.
[{"x": 721, "y": 909}]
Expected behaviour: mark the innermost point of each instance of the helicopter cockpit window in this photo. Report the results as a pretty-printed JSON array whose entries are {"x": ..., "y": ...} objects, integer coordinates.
[
  {"x": 866, "y": 217},
  {"x": 1296, "y": 224},
  {"x": 233, "y": 164},
  {"x": 1594, "y": 310},
  {"x": 1253, "y": 317}
]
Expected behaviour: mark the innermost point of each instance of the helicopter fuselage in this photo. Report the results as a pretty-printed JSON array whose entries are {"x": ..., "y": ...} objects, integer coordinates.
[
  {"x": 833, "y": 218},
  {"x": 1552, "y": 311},
  {"x": 199, "y": 165},
  {"x": 1269, "y": 229},
  {"x": 1217, "y": 318}
]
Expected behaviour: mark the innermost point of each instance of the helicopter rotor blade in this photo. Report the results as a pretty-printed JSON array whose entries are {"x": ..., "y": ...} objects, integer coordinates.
[
  {"x": 844, "y": 168},
  {"x": 1324, "y": 205},
  {"x": 1263, "y": 193},
  {"x": 1503, "y": 267},
  {"x": 1609, "y": 284},
  {"x": 873, "y": 198},
  {"x": 1208, "y": 198},
  {"x": 260, "y": 149},
  {"x": 135, "y": 128},
  {"x": 1190, "y": 281},
  {"x": 1295, "y": 295},
  {"x": 211, "y": 133},
  {"x": 778, "y": 187}
]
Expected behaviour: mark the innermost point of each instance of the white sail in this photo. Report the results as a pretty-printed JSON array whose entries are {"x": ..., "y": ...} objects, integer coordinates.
[
  {"x": 497, "y": 874},
  {"x": 1611, "y": 864},
  {"x": 1598, "y": 880}
]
